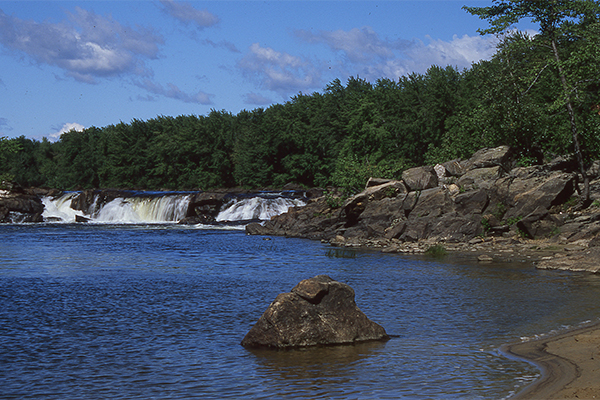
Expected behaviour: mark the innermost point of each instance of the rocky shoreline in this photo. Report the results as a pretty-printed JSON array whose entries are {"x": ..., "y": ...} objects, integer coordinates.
[
  {"x": 25, "y": 205},
  {"x": 486, "y": 206}
]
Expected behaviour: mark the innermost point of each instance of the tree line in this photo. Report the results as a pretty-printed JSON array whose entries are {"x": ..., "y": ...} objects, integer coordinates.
[{"x": 539, "y": 94}]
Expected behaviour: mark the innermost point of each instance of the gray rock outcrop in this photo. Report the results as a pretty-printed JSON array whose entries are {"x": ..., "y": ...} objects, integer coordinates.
[
  {"x": 318, "y": 311},
  {"x": 491, "y": 157},
  {"x": 20, "y": 207},
  {"x": 484, "y": 196},
  {"x": 420, "y": 178}
]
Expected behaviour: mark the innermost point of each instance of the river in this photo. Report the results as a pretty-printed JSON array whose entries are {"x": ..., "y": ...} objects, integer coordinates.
[{"x": 139, "y": 311}]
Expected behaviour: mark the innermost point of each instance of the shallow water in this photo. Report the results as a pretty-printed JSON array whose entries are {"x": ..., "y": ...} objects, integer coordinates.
[{"x": 101, "y": 311}]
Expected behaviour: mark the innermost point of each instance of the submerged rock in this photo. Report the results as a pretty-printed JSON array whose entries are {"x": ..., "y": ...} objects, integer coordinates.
[{"x": 318, "y": 311}]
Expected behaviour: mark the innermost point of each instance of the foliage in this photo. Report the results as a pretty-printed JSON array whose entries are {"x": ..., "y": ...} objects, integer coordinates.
[
  {"x": 437, "y": 251},
  {"x": 570, "y": 203},
  {"x": 513, "y": 220},
  {"x": 538, "y": 94},
  {"x": 486, "y": 225},
  {"x": 334, "y": 201},
  {"x": 558, "y": 69},
  {"x": 7, "y": 148},
  {"x": 500, "y": 211},
  {"x": 352, "y": 175},
  {"x": 340, "y": 253}
]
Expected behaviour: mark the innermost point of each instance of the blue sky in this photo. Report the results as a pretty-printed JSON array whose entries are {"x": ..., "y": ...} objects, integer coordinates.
[{"x": 74, "y": 64}]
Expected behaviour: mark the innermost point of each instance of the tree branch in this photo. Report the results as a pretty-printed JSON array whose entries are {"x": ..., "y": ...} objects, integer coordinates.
[{"x": 535, "y": 80}]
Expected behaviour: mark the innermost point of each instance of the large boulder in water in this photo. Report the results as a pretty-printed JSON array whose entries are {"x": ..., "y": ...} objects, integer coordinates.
[
  {"x": 205, "y": 206},
  {"x": 318, "y": 311}
]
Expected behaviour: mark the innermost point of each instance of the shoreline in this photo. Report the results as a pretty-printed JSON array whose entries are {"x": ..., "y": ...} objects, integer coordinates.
[
  {"x": 547, "y": 254},
  {"x": 569, "y": 363},
  {"x": 568, "y": 360}
]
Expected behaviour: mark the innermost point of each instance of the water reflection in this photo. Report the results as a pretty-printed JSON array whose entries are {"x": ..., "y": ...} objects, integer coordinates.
[
  {"x": 151, "y": 312},
  {"x": 314, "y": 361},
  {"x": 320, "y": 371}
]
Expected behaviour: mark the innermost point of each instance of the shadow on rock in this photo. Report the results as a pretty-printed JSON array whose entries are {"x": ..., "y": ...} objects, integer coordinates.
[{"x": 318, "y": 311}]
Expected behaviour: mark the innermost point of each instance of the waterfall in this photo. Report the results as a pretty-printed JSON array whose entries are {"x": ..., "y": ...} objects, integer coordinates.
[
  {"x": 140, "y": 209},
  {"x": 159, "y": 208},
  {"x": 256, "y": 208},
  {"x": 60, "y": 209}
]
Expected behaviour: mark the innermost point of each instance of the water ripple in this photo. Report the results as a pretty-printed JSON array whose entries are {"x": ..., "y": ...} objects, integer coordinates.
[{"x": 136, "y": 313}]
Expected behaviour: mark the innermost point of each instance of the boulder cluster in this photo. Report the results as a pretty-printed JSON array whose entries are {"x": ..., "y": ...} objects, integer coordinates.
[
  {"x": 458, "y": 202},
  {"x": 21, "y": 205}
]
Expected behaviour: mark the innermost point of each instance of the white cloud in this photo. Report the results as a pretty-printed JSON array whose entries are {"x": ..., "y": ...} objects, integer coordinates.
[
  {"x": 222, "y": 44},
  {"x": 278, "y": 71},
  {"x": 87, "y": 46},
  {"x": 69, "y": 126},
  {"x": 461, "y": 51},
  {"x": 362, "y": 52},
  {"x": 358, "y": 45},
  {"x": 357, "y": 52},
  {"x": 256, "y": 99},
  {"x": 173, "y": 92},
  {"x": 186, "y": 13}
]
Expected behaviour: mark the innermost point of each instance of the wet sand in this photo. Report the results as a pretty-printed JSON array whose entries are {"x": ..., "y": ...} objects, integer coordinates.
[{"x": 570, "y": 364}]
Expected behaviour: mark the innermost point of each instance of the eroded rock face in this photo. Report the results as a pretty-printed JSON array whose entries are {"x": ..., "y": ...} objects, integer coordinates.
[
  {"x": 481, "y": 196},
  {"x": 491, "y": 157},
  {"x": 479, "y": 178},
  {"x": 420, "y": 178},
  {"x": 29, "y": 208},
  {"x": 356, "y": 205},
  {"x": 585, "y": 261},
  {"x": 318, "y": 311},
  {"x": 525, "y": 195}
]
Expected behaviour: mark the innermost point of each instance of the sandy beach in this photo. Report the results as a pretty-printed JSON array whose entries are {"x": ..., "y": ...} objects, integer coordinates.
[{"x": 569, "y": 361}]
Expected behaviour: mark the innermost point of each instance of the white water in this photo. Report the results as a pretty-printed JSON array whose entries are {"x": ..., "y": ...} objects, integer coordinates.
[
  {"x": 169, "y": 208},
  {"x": 139, "y": 209},
  {"x": 60, "y": 208},
  {"x": 257, "y": 208}
]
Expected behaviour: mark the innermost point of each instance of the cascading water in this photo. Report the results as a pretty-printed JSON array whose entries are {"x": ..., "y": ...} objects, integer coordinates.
[
  {"x": 164, "y": 208},
  {"x": 159, "y": 209},
  {"x": 256, "y": 208},
  {"x": 60, "y": 209},
  {"x": 139, "y": 209}
]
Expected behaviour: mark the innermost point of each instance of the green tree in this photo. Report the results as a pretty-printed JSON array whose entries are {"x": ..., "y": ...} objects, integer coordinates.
[
  {"x": 506, "y": 108},
  {"x": 308, "y": 147},
  {"x": 77, "y": 160},
  {"x": 253, "y": 150},
  {"x": 568, "y": 41},
  {"x": 7, "y": 148}
]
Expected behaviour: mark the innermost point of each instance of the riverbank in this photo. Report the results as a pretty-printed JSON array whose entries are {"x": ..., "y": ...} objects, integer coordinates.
[
  {"x": 486, "y": 204},
  {"x": 569, "y": 361},
  {"x": 486, "y": 209}
]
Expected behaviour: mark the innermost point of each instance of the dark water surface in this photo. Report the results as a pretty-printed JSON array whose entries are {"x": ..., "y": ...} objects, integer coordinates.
[{"x": 126, "y": 312}]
